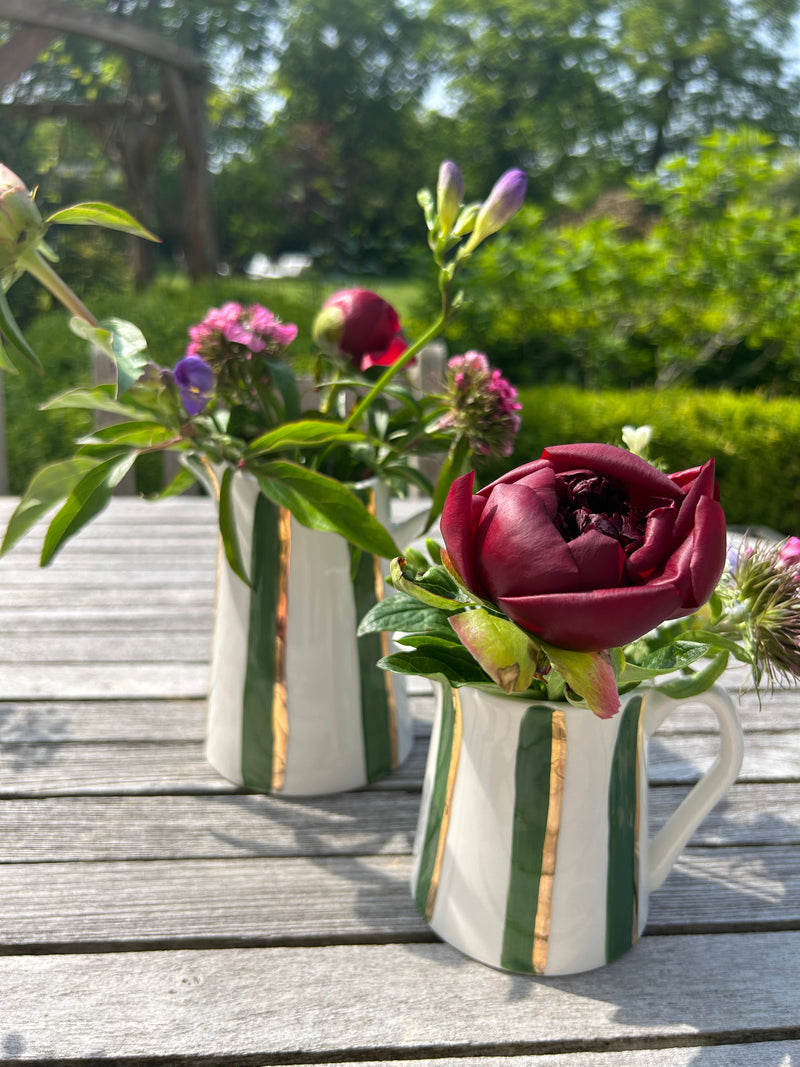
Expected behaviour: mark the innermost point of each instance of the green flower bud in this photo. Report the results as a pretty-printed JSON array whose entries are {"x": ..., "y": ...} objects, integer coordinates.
[
  {"x": 21, "y": 225},
  {"x": 449, "y": 195}
]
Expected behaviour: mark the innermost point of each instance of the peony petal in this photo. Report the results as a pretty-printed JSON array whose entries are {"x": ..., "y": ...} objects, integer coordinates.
[
  {"x": 518, "y": 547},
  {"x": 458, "y": 523},
  {"x": 655, "y": 549},
  {"x": 516, "y": 475},
  {"x": 702, "y": 487},
  {"x": 600, "y": 561},
  {"x": 643, "y": 480},
  {"x": 595, "y": 620},
  {"x": 705, "y": 559}
]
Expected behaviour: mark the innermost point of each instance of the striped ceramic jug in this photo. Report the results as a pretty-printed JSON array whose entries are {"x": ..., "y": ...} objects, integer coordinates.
[
  {"x": 297, "y": 705},
  {"x": 532, "y": 851}
]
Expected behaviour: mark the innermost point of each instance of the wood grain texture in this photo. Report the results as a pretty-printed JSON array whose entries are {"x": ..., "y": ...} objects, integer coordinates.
[
  {"x": 283, "y": 931},
  {"x": 68, "y": 828},
  {"x": 263, "y": 1005},
  {"x": 306, "y": 899}
]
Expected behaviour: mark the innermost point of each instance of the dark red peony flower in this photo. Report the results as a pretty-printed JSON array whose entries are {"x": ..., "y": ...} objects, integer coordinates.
[
  {"x": 361, "y": 326},
  {"x": 588, "y": 547}
]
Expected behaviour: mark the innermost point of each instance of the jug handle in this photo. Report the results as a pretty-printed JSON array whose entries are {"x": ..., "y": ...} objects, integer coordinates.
[{"x": 670, "y": 839}]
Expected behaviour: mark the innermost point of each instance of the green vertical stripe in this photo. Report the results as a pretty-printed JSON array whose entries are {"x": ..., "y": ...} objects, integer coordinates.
[
  {"x": 531, "y": 802},
  {"x": 622, "y": 888},
  {"x": 375, "y": 711},
  {"x": 261, "y": 638},
  {"x": 436, "y": 801}
]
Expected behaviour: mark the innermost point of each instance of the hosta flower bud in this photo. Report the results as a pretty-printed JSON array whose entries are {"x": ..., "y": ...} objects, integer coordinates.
[
  {"x": 21, "y": 225},
  {"x": 360, "y": 326},
  {"x": 449, "y": 195},
  {"x": 503, "y": 202}
]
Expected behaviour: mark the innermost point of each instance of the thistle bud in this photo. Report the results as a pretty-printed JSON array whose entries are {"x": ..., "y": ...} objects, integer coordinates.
[
  {"x": 503, "y": 202},
  {"x": 449, "y": 195},
  {"x": 21, "y": 225}
]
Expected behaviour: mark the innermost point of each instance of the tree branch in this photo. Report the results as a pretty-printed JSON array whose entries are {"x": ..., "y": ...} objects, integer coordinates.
[{"x": 64, "y": 17}]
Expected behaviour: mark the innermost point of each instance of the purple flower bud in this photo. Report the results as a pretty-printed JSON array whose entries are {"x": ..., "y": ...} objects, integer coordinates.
[
  {"x": 449, "y": 195},
  {"x": 196, "y": 382},
  {"x": 503, "y": 202},
  {"x": 21, "y": 226}
]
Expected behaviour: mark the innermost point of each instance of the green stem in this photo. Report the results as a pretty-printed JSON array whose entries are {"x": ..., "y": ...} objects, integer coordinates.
[
  {"x": 394, "y": 369},
  {"x": 41, "y": 270}
]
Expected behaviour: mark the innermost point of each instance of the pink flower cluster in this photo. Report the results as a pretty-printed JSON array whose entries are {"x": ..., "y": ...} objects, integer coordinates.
[
  {"x": 253, "y": 328},
  {"x": 484, "y": 406}
]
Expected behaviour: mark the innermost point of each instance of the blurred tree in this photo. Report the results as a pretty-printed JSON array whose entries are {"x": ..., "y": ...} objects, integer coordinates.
[
  {"x": 133, "y": 72},
  {"x": 688, "y": 68},
  {"x": 350, "y": 134},
  {"x": 584, "y": 91},
  {"x": 690, "y": 277}
]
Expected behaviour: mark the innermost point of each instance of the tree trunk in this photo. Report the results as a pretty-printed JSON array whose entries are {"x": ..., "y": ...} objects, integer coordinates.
[{"x": 186, "y": 98}]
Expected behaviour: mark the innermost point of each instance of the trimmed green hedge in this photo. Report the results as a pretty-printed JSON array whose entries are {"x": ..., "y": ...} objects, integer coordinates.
[{"x": 756, "y": 442}]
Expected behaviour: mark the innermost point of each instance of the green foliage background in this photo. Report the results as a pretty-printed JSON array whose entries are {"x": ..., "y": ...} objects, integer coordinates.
[{"x": 753, "y": 440}]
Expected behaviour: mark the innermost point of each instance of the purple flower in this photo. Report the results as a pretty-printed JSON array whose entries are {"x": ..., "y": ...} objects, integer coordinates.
[
  {"x": 483, "y": 404},
  {"x": 196, "y": 382},
  {"x": 503, "y": 202}
]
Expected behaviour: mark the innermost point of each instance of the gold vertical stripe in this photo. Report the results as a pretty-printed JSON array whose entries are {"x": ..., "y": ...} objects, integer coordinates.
[
  {"x": 386, "y": 648},
  {"x": 544, "y": 903},
  {"x": 452, "y": 771},
  {"x": 280, "y": 711}
]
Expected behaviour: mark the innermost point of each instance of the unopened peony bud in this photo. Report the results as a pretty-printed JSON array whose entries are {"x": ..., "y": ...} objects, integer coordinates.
[
  {"x": 21, "y": 225},
  {"x": 360, "y": 326},
  {"x": 503, "y": 202},
  {"x": 449, "y": 195}
]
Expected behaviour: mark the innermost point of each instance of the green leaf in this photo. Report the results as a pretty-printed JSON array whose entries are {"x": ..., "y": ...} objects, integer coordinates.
[
  {"x": 98, "y": 398},
  {"x": 14, "y": 336},
  {"x": 434, "y": 550},
  {"x": 227, "y": 527},
  {"x": 134, "y": 434},
  {"x": 694, "y": 684},
  {"x": 100, "y": 214},
  {"x": 90, "y": 495},
  {"x": 505, "y": 652},
  {"x": 309, "y": 432},
  {"x": 420, "y": 591},
  {"x": 674, "y": 657},
  {"x": 456, "y": 664},
  {"x": 403, "y": 613},
  {"x": 282, "y": 377},
  {"x": 322, "y": 503},
  {"x": 182, "y": 481},
  {"x": 122, "y": 342},
  {"x": 51, "y": 485}
]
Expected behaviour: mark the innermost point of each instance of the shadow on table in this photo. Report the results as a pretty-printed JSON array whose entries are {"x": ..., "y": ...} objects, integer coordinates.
[{"x": 27, "y": 735}]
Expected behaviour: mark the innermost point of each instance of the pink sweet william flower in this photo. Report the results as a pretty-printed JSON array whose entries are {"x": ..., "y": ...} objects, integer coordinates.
[
  {"x": 484, "y": 406},
  {"x": 234, "y": 332},
  {"x": 359, "y": 325}
]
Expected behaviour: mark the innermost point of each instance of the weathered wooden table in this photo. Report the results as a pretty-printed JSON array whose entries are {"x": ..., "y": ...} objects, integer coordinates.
[{"x": 151, "y": 913}]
